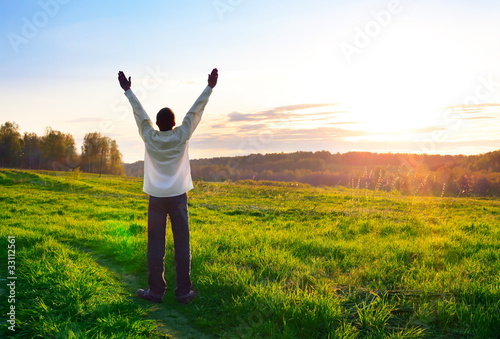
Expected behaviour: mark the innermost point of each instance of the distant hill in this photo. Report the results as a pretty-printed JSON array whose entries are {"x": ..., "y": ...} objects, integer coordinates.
[
  {"x": 135, "y": 169},
  {"x": 457, "y": 175}
]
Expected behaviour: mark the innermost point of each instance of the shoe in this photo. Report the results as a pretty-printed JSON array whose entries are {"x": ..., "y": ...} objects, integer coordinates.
[
  {"x": 186, "y": 299},
  {"x": 146, "y": 295}
]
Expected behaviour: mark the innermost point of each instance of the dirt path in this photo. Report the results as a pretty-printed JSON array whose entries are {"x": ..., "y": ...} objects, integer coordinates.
[{"x": 171, "y": 323}]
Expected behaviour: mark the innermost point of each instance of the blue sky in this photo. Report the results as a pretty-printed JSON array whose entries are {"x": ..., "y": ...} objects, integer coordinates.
[{"x": 398, "y": 76}]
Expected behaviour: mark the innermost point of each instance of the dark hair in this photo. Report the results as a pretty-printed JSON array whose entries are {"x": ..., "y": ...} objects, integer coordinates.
[{"x": 165, "y": 119}]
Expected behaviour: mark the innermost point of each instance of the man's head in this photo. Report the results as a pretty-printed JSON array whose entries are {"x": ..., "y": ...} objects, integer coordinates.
[{"x": 165, "y": 119}]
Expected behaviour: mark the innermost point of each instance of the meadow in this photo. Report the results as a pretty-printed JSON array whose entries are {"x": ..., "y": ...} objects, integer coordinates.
[{"x": 270, "y": 260}]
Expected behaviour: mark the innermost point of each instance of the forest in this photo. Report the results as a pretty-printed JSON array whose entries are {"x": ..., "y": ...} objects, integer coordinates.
[
  {"x": 416, "y": 174},
  {"x": 56, "y": 151}
]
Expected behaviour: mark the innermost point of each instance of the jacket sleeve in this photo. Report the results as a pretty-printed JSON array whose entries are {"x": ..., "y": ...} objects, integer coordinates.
[
  {"x": 142, "y": 119},
  {"x": 193, "y": 116}
]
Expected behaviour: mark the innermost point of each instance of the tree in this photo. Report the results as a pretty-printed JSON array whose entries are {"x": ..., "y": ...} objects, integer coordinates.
[
  {"x": 10, "y": 145},
  {"x": 93, "y": 149},
  {"x": 100, "y": 154},
  {"x": 32, "y": 155},
  {"x": 483, "y": 186},
  {"x": 115, "y": 160},
  {"x": 58, "y": 150}
]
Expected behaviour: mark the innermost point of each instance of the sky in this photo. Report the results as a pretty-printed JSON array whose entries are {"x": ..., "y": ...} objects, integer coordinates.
[{"x": 404, "y": 76}]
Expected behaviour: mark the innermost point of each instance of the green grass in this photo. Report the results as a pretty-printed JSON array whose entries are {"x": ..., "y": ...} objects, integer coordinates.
[{"x": 269, "y": 260}]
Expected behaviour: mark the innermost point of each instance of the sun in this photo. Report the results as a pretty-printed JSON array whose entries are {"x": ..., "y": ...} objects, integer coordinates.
[
  {"x": 403, "y": 84},
  {"x": 396, "y": 114}
]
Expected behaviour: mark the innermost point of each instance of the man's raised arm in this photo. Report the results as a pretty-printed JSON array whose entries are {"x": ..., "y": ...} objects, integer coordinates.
[
  {"x": 141, "y": 117},
  {"x": 193, "y": 116}
]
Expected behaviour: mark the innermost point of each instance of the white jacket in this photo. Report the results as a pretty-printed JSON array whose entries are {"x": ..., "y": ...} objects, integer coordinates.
[{"x": 167, "y": 172}]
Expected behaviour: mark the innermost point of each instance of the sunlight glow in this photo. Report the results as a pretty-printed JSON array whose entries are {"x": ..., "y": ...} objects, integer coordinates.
[{"x": 405, "y": 83}]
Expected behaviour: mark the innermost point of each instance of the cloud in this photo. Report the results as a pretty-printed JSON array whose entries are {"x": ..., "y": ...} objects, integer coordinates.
[
  {"x": 252, "y": 127},
  {"x": 310, "y": 127},
  {"x": 237, "y": 116},
  {"x": 260, "y": 135},
  {"x": 218, "y": 126},
  {"x": 475, "y": 118},
  {"x": 473, "y": 106},
  {"x": 283, "y": 113},
  {"x": 474, "y": 111},
  {"x": 279, "y": 127},
  {"x": 301, "y": 107},
  {"x": 419, "y": 130},
  {"x": 336, "y": 123},
  {"x": 322, "y": 133}
]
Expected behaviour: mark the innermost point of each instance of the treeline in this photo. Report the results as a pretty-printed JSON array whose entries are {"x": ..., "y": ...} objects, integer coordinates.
[
  {"x": 135, "y": 169},
  {"x": 439, "y": 175},
  {"x": 56, "y": 150}
]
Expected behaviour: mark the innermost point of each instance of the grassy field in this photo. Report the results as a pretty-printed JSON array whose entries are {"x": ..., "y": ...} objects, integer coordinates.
[{"x": 269, "y": 260}]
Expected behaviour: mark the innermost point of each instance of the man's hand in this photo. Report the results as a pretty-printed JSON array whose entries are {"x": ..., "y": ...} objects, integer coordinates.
[
  {"x": 124, "y": 83},
  {"x": 212, "y": 78}
]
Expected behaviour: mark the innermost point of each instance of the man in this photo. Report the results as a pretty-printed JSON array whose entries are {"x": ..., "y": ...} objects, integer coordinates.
[{"x": 167, "y": 178}]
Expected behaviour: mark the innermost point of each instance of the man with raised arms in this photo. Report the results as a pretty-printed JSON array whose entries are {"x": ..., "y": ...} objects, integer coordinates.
[{"x": 167, "y": 179}]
